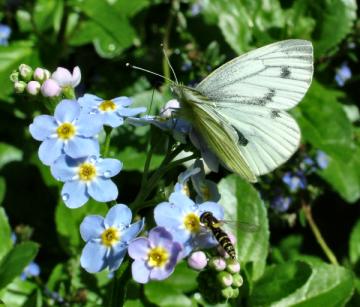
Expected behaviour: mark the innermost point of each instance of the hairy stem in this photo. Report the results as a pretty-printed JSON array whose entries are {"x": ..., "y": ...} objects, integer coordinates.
[{"x": 319, "y": 238}]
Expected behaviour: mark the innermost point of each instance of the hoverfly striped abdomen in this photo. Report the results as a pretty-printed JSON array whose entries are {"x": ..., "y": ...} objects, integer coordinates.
[{"x": 211, "y": 222}]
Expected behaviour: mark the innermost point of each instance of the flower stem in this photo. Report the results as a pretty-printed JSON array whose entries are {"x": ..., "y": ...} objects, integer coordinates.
[
  {"x": 106, "y": 147},
  {"x": 119, "y": 285},
  {"x": 319, "y": 238}
]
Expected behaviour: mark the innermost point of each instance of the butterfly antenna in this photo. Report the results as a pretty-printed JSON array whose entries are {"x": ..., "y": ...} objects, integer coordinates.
[
  {"x": 149, "y": 72},
  {"x": 168, "y": 61}
]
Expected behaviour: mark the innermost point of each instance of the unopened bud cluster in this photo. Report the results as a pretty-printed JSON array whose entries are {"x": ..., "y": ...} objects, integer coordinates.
[
  {"x": 219, "y": 279},
  {"x": 41, "y": 81}
]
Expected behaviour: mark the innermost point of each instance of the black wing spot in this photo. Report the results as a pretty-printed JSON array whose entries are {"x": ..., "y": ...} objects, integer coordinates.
[
  {"x": 285, "y": 72},
  {"x": 275, "y": 114},
  {"x": 267, "y": 98},
  {"x": 243, "y": 141}
]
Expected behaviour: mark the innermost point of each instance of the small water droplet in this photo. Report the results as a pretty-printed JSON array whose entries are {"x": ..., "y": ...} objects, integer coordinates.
[
  {"x": 111, "y": 47},
  {"x": 65, "y": 196},
  {"x": 107, "y": 174}
]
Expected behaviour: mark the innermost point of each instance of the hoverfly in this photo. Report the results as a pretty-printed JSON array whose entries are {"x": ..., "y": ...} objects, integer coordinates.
[{"x": 214, "y": 225}]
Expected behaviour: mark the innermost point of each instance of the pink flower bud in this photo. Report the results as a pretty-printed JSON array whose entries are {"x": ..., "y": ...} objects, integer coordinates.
[
  {"x": 232, "y": 266},
  {"x": 66, "y": 79},
  {"x": 39, "y": 74},
  {"x": 217, "y": 263},
  {"x": 50, "y": 88},
  {"x": 197, "y": 260},
  {"x": 33, "y": 87}
]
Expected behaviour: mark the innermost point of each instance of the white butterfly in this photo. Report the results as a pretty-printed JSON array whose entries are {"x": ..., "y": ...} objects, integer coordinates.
[{"x": 240, "y": 108}]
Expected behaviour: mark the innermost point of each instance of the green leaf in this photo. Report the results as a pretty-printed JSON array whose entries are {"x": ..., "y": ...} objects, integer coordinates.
[
  {"x": 242, "y": 201},
  {"x": 68, "y": 222},
  {"x": 279, "y": 281},
  {"x": 2, "y": 189},
  {"x": 10, "y": 58},
  {"x": 17, "y": 293},
  {"x": 328, "y": 285},
  {"x": 16, "y": 260},
  {"x": 133, "y": 303},
  {"x": 134, "y": 160},
  {"x": 335, "y": 21},
  {"x": 9, "y": 153},
  {"x": 354, "y": 244},
  {"x": 48, "y": 14},
  {"x": 103, "y": 19},
  {"x": 172, "y": 289},
  {"x": 131, "y": 8},
  {"x": 5, "y": 234},
  {"x": 319, "y": 108}
]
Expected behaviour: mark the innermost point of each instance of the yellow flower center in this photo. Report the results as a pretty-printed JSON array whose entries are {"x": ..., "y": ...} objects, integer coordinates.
[
  {"x": 158, "y": 257},
  {"x": 110, "y": 236},
  {"x": 107, "y": 106},
  {"x": 66, "y": 131},
  {"x": 87, "y": 171},
  {"x": 192, "y": 222}
]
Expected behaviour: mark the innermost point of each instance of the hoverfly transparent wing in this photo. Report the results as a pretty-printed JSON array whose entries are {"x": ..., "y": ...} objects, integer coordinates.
[{"x": 242, "y": 226}]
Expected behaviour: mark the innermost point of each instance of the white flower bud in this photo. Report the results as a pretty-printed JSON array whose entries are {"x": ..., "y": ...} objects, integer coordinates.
[
  {"x": 33, "y": 87},
  {"x": 197, "y": 260},
  {"x": 26, "y": 72},
  {"x": 19, "y": 86},
  {"x": 50, "y": 88}
]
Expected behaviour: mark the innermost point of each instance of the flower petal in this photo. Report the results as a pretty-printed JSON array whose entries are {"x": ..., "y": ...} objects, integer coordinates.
[
  {"x": 76, "y": 76},
  {"x": 78, "y": 147},
  {"x": 89, "y": 101},
  {"x": 132, "y": 231},
  {"x": 92, "y": 227},
  {"x": 139, "y": 248},
  {"x": 74, "y": 194},
  {"x": 103, "y": 190},
  {"x": 130, "y": 111},
  {"x": 216, "y": 209},
  {"x": 88, "y": 125},
  {"x": 42, "y": 127},
  {"x": 50, "y": 150},
  {"x": 111, "y": 119},
  {"x": 62, "y": 76},
  {"x": 67, "y": 111},
  {"x": 122, "y": 101},
  {"x": 118, "y": 216},
  {"x": 140, "y": 272},
  {"x": 116, "y": 257},
  {"x": 182, "y": 201},
  {"x": 167, "y": 215},
  {"x": 64, "y": 168},
  {"x": 161, "y": 273},
  {"x": 159, "y": 236},
  {"x": 108, "y": 167},
  {"x": 93, "y": 257}
]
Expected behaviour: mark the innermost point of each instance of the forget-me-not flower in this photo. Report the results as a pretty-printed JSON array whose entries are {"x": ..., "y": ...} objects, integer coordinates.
[
  {"x": 107, "y": 239},
  {"x": 5, "y": 32},
  {"x": 155, "y": 257},
  {"x": 31, "y": 270},
  {"x": 112, "y": 111},
  {"x": 181, "y": 216},
  {"x": 295, "y": 181},
  {"x": 322, "y": 159},
  {"x": 343, "y": 74},
  {"x": 65, "y": 78},
  {"x": 69, "y": 131},
  {"x": 86, "y": 177},
  {"x": 281, "y": 203}
]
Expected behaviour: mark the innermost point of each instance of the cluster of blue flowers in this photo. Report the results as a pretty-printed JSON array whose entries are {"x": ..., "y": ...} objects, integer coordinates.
[
  {"x": 296, "y": 180},
  {"x": 70, "y": 147}
]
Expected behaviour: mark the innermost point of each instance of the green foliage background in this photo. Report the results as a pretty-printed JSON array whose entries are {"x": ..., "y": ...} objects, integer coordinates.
[{"x": 282, "y": 264}]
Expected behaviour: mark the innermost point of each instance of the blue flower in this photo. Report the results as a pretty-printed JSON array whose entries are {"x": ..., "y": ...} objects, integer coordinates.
[
  {"x": 32, "y": 270},
  {"x": 155, "y": 257},
  {"x": 107, "y": 239},
  {"x": 183, "y": 178},
  {"x": 5, "y": 32},
  {"x": 281, "y": 203},
  {"x": 181, "y": 216},
  {"x": 205, "y": 189},
  {"x": 69, "y": 131},
  {"x": 322, "y": 159},
  {"x": 343, "y": 74},
  {"x": 110, "y": 112},
  {"x": 86, "y": 177},
  {"x": 295, "y": 181}
]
